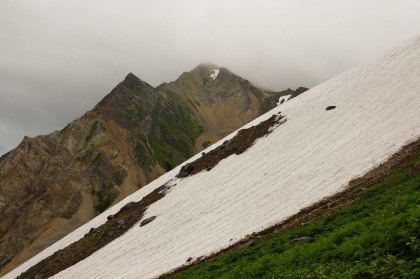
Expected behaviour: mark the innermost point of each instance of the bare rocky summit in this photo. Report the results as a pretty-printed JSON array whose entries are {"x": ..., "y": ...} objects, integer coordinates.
[{"x": 52, "y": 184}]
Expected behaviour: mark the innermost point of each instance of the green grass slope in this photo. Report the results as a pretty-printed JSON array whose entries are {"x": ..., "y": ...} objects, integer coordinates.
[{"x": 378, "y": 236}]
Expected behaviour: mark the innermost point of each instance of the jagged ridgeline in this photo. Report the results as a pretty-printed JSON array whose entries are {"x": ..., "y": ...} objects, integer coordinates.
[
  {"x": 161, "y": 127},
  {"x": 52, "y": 184}
]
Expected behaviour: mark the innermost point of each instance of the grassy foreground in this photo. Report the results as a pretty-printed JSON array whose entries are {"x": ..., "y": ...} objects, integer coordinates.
[{"x": 376, "y": 237}]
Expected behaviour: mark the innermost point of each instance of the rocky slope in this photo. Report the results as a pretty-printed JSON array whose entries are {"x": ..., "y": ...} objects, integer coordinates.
[
  {"x": 222, "y": 100},
  {"x": 50, "y": 185}
]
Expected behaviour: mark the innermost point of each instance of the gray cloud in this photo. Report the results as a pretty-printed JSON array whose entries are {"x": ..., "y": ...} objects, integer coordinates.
[{"x": 59, "y": 58}]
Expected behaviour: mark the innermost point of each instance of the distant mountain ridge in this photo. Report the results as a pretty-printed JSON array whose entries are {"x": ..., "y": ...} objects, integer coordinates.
[{"x": 51, "y": 184}]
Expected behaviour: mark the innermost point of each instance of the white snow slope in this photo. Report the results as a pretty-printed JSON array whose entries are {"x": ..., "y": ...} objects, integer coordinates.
[
  {"x": 283, "y": 99},
  {"x": 313, "y": 155}
]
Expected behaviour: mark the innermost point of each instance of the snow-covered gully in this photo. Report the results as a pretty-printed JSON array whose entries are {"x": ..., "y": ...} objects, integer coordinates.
[{"x": 314, "y": 155}]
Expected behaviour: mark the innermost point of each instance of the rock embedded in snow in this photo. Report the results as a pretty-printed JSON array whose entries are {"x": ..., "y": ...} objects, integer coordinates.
[{"x": 147, "y": 221}]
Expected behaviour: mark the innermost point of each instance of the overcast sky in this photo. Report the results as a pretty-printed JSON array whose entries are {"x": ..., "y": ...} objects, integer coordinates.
[{"x": 59, "y": 58}]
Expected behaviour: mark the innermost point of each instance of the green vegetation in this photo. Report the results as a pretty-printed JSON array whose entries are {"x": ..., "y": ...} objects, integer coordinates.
[
  {"x": 104, "y": 201},
  {"x": 138, "y": 112},
  {"x": 173, "y": 138},
  {"x": 158, "y": 150},
  {"x": 142, "y": 154},
  {"x": 170, "y": 137},
  {"x": 3, "y": 264},
  {"x": 376, "y": 237}
]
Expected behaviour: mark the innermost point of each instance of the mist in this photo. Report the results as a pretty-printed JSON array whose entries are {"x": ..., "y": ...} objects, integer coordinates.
[{"x": 59, "y": 58}]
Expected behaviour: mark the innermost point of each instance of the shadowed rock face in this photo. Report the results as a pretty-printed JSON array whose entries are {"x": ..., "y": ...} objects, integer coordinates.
[{"x": 50, "y": 185}]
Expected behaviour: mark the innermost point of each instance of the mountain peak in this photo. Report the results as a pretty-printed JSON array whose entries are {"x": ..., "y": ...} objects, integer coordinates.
[
  {"x": 132, "y": 81},
  {"x": 207, "y": 66},
  {"x": 205, "y": 69},
  {"x": 123, "y": 92},
  {"x": 130, "y": 75}
]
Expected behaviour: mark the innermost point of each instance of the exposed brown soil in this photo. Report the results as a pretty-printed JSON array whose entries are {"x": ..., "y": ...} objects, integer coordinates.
[
  {"x": 237, "y": 145},
  {"x": 357, "y": 189},
  {"x": 97, "y": 238}
]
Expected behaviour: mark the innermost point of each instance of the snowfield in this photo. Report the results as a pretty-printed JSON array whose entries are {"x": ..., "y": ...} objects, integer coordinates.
[{"x": 311, "y": 156}]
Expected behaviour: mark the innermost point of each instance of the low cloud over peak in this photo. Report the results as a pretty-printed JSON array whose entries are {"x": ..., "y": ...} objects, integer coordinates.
[{"x": 58, "y": 59}]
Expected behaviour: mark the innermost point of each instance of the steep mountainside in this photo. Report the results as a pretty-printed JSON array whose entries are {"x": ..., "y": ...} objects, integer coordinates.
[
  {"x": 50, "y": 185},
  {"x": 222, "y": 99},
  {"x": 298, "y": 154}
]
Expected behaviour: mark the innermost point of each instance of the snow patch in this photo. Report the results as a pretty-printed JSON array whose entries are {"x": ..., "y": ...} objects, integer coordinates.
[
  {"x": 283, "y": 99},
  {"x": 214, "y": 74}
]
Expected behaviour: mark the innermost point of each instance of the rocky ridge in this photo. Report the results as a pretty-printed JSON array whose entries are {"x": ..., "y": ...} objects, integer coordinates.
[{"x": 50, "y": 185}]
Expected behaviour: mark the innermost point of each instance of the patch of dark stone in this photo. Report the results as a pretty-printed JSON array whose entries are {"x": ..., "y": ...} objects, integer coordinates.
[
  {"x": 330, "y": 107},
  {"x": 73, "y": 205},
  {"x": 147, "y": 221},
  {"x": 357, "y": 189},
  {"x": 96, "y": 238},
  {"x": 243, "y": 140}
]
